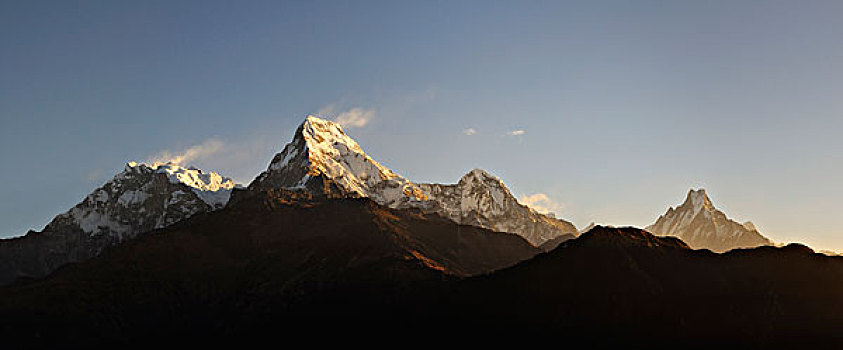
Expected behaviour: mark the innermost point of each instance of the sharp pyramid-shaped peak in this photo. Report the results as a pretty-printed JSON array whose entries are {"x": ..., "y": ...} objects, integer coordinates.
[
  {"x": 482, "y": 176},
  {"x": 335, "y": 154},
  {"x": 323, "y": 159},
  {"x": 325, "y": 135},
  {"x": 701, "y": 225},
  {"x": 698, "y": 199},
  {"x": 485, "y": 192}
]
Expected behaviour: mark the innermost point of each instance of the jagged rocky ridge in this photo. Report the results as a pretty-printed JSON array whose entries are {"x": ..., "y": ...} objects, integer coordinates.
[
  {"x": 139, "y": 199},
  {"x": 699, "y": 224},
  {"x": 322, "y": 159}
]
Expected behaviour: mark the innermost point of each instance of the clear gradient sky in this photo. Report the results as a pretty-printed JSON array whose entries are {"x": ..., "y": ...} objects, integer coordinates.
[{"x": 624, "y": 105}]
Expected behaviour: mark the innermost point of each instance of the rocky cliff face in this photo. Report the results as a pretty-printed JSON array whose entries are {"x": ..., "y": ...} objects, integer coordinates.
[
  {"x": 701, "y": 225},
  {"x": 140, "y": 199},
  {"x": 322, "y": 159}
]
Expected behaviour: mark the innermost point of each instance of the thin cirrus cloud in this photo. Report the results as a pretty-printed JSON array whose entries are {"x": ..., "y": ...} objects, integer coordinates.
[
  {"x": 355, "y": 117},
  {"x": 541, "y": 203},
  {"x": 517, "y": 132}
]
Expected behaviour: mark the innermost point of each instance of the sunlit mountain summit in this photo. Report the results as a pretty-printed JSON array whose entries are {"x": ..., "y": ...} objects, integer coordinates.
[{"x": 699, "y": 224}]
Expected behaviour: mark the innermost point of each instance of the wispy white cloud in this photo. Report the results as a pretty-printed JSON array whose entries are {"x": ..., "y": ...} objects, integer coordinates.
[
  {"x": 194, "y": 153},
  {"x": 469, "y": 131},
  {"x": 356, "y": 117},
  {"x": 541, "y": 203},
  {"x": 239, "y": 159},
  {"x": 517, "y": 132}
]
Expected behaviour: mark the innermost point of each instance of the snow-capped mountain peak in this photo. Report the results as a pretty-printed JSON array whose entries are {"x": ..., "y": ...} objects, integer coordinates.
[
  {"x": 701, "y": 225},
  {"x": 483, "y": 192},
  {"x": 478, "y": 174},
  {"x": 211, "y": 187},
  {"x": 139, "y": 199},
  {"x": 482, "y": 199},
  {"x": 698, "y": 200},
  {"x": 145, "y": 197},
  {"x": 335, "y": 154},
  {"x": 322, "y": 135},
  {"x": 323, "y": 159}
]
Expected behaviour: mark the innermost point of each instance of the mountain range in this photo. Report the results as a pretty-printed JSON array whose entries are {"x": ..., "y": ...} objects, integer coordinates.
[
  {"x": 321, "y": 160},
  {"x": 327, "y": 243}
]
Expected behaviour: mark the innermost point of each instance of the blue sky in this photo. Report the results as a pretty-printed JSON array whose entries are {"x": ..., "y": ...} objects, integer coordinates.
[{"x": 624, "y": 105}]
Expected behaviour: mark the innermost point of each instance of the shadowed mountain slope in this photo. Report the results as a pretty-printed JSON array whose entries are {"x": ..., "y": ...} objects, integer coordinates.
[
  {"x": 624, "y": 285},
  {"x": 282, "y": 266},
  {"x": 277, "y": 257}
]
